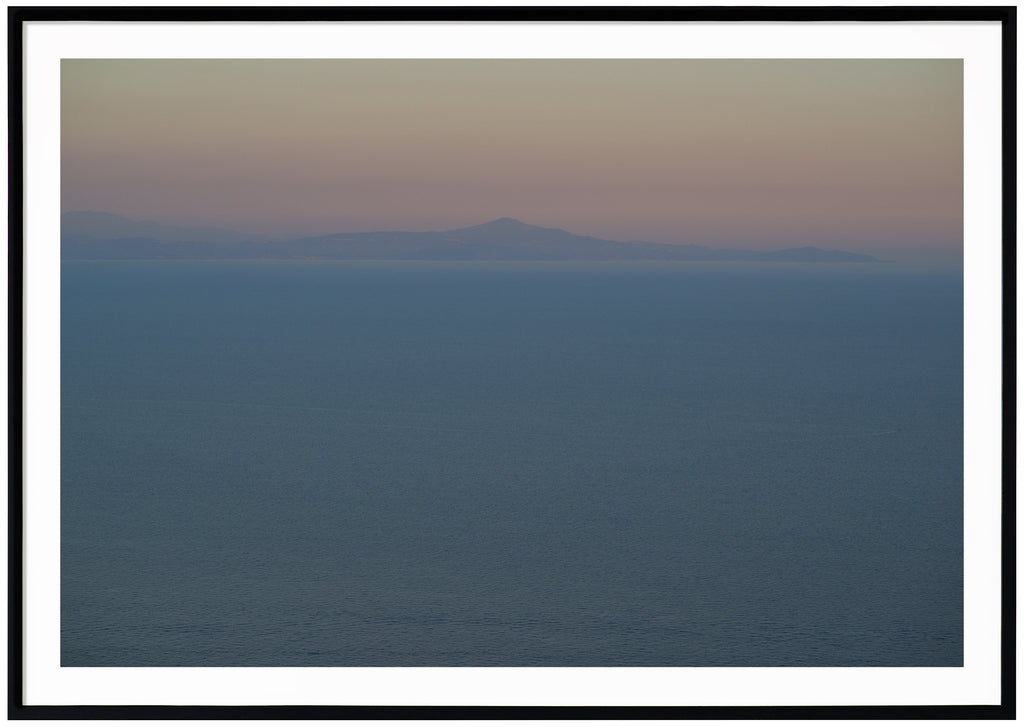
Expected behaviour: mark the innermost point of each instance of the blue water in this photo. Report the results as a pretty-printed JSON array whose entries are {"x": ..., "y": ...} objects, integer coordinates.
[{"x": 511, "y": 464}]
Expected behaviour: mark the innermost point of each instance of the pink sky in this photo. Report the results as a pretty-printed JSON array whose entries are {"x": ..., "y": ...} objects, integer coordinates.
[{"x": 861, "y": 155}]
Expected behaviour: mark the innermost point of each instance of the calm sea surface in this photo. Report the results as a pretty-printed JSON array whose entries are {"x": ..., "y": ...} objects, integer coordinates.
[{"x": 511, "y": 464}]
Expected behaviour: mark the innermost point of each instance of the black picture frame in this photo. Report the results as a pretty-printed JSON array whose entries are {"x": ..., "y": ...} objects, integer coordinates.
[{"x": 19, "y": 16}]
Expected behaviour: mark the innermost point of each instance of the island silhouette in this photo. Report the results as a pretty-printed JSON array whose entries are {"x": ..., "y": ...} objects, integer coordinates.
[{"x": 105, "y": 236}]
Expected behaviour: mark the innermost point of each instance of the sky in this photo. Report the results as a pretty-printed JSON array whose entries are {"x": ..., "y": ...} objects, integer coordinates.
[{"x": 858, "y": 155}]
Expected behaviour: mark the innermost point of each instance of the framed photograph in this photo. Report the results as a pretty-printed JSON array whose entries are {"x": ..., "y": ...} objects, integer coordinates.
[{"x": 512, "y": 362}]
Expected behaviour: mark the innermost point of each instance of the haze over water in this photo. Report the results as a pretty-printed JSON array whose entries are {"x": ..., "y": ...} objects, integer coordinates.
[
  {"x": 353, "y": 463},
  {"x": 511, "y": 464}
]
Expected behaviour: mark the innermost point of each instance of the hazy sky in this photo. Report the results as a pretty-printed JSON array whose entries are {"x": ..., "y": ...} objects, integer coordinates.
[{"x": 861, "y": 155}]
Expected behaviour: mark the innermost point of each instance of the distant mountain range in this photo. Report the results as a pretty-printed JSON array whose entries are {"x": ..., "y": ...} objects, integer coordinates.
[{"x": 105, "y": 236}]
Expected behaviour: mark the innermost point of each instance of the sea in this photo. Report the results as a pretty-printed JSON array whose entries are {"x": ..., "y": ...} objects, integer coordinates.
[{"x": 404, "y": 463}]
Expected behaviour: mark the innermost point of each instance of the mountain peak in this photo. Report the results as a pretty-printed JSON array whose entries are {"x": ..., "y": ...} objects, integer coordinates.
[
  {"x": 500, "y": 226},
  {"x": 504, "y": 223}
]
